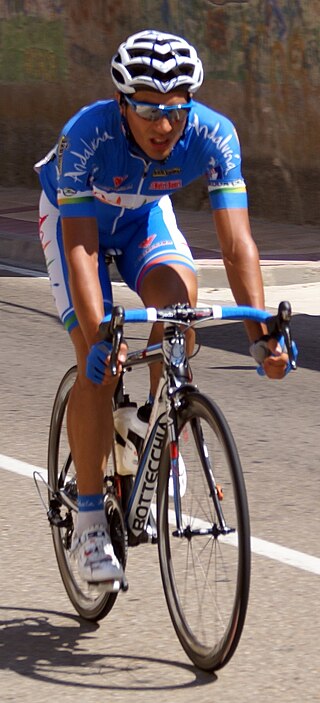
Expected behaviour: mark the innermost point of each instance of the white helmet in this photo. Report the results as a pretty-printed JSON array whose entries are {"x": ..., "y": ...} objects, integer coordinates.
[{"x": 156, "y": 60}]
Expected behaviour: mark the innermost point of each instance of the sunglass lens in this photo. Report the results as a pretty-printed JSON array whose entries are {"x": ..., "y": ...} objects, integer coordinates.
[{"x": 154, "y": 113}]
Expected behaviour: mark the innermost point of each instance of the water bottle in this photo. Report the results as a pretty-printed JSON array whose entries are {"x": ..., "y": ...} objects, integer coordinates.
[{"x": 130, "y": 432}]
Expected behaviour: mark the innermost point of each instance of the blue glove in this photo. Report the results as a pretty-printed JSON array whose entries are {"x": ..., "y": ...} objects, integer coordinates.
[
  {"x": 260, "y": 351},
  {"x": 96, "y": 361}
]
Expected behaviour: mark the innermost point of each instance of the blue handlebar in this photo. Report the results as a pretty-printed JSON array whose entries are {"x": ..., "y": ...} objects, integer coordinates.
[
  {"x": 278, "y": 325},
  {"x": 214, "y": 312},
  {"x": 244, "y": 312}
]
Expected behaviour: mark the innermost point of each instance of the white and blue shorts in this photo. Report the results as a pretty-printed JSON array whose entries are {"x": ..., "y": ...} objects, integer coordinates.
[{"x": 149, "y": 240}]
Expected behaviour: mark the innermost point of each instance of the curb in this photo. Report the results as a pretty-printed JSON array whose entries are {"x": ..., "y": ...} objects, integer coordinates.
[{"x": 276, "y": 273}]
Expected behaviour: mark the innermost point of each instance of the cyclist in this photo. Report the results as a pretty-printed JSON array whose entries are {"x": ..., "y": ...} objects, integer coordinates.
[{"x": 107, "y": 184}]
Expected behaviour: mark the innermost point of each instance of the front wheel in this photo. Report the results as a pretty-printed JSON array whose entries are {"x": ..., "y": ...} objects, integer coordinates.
[
  {"x": 204, "y": 534},
  {"x": 91, "y": 601}
]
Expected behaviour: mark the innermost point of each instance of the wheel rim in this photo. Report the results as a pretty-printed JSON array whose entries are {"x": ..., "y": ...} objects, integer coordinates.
[
  {"x": 91, "y": 601},
  {"x": 206, "y": 576}
]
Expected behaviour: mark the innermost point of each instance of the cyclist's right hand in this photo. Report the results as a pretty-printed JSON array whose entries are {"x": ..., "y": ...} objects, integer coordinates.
[{"x": 98, "y": 362}]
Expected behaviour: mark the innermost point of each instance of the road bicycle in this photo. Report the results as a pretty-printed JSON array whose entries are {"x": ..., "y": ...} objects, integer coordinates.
[{"x": 188, "y": 494}]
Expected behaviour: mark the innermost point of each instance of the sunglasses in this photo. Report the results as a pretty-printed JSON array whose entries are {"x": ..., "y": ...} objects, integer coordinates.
[{"x": 151, "y": 112}]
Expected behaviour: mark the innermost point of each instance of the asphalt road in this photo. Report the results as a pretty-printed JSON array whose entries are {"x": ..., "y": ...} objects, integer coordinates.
[{"x": 133, "y": 655}]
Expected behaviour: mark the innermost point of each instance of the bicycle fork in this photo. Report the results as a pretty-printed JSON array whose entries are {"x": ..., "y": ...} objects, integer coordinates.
[{"x": 216, "y": 492}]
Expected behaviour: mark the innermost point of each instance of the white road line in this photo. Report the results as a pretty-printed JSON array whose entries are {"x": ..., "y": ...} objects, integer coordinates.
[
  {"x": 291, "y": 557},
  {"x": 20, "y": 467}
]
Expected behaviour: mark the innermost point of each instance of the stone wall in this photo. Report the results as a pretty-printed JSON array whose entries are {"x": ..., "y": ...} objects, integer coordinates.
[{"x": 262, "y": 66}]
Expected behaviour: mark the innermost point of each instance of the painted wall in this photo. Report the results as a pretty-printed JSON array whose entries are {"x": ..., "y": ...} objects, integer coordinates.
[{"x": 262, "y": 67}]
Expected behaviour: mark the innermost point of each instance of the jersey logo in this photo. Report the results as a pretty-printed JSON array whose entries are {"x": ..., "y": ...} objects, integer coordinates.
[
  {"x": 147, "y": 242},
  {"x": 118, "y": 180},
  {"x": 165, "y": 185},
  {"x": 159, "y": 172}
]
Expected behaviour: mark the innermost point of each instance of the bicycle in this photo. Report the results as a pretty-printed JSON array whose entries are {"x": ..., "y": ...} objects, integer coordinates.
[{"x": 190, "y": 463}]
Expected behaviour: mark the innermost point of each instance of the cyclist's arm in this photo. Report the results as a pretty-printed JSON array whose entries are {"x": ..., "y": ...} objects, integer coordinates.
[
  {"x": 241, "y": 259},
  {"x": 80, "y": 239}
]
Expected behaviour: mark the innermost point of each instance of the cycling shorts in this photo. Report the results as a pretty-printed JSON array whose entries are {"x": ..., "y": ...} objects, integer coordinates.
[{"x": 145, "y": 242}]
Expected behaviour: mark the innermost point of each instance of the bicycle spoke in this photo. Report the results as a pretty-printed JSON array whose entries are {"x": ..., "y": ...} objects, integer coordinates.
[{"x": 204, "y": 560}]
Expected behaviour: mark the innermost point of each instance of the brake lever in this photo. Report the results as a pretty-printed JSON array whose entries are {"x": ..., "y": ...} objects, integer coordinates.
[
  {"x": 280, "y": 325},
  {"x": 117, "y": 338},
  {"x": 113, "y": 332}
]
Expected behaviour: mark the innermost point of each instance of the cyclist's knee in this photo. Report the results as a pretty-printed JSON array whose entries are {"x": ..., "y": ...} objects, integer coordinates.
[{"x": 167, "y": 285}]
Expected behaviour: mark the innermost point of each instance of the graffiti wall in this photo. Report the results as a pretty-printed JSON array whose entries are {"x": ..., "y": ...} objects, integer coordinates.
[{"x": 262, "y": 67}]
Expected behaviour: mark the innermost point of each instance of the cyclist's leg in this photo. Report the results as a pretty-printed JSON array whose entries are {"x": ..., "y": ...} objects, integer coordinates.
[
  {"x": 90, "y": 409},
  {"x": 90, "y": 422},
  {"x": 158, "y": 265},
  {"x": 162, "y": 286}
]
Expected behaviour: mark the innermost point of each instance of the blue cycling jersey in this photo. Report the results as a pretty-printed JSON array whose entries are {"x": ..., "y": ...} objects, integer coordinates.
[{"x": 97, "y": 170}]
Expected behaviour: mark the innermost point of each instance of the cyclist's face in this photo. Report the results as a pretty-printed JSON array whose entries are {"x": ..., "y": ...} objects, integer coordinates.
[{"x": 156, "y": 138}]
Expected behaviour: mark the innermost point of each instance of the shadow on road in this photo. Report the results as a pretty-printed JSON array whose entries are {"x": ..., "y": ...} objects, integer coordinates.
[
  {"x": 33, "y": 646},
  {"x": 17, "y": 306},
  {"x": 232, "y": 337}
]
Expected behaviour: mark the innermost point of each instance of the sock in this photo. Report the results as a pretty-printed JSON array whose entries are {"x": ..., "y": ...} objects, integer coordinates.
[{"x": 91, "y": 512}]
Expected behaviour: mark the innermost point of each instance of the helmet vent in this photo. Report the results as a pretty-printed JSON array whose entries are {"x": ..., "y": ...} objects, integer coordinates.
[{"x": 158, "y": 61}]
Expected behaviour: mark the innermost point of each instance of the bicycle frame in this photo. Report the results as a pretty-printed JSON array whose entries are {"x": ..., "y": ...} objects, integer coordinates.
[
  {"x": 175, "y": 376},
  {"x": 176, "y": 372}
]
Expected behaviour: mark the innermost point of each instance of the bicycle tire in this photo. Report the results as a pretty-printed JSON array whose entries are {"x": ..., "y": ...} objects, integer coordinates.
[
  {"x": 90, "y": 601},
  {"x": 207, "y": 607}
]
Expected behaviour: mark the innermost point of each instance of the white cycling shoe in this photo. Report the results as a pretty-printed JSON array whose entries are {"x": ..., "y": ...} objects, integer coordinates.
[{"x": 95, "y": 557}]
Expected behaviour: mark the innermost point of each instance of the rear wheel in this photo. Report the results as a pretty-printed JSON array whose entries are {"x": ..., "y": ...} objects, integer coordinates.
[
  {"x": 92, "y": 602},
  {"x": 204, "y": 535}
]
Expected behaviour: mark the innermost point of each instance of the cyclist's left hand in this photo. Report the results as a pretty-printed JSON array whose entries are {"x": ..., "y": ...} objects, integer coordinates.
[{"x": 271, "y": 355}]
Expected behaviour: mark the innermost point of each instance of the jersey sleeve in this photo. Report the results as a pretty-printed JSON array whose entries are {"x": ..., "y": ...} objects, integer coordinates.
[
  {"x": 220, "y": 143},
  {"x": 77, "y": 162}
]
